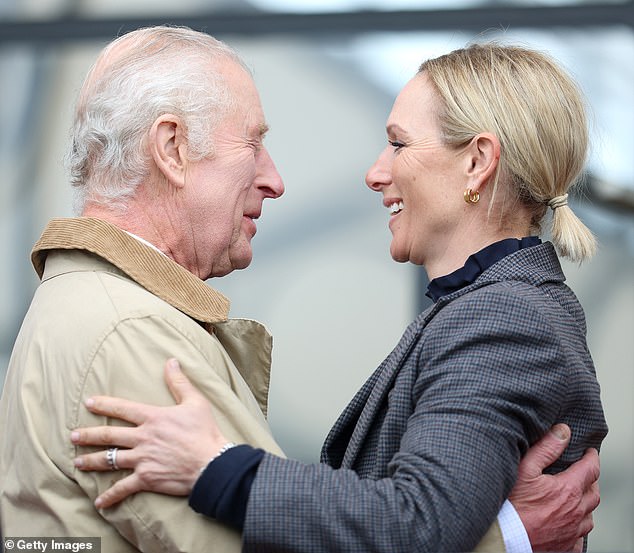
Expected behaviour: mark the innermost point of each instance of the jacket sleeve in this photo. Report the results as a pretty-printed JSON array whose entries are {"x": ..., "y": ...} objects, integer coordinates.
[
  {"x": 490, "y": 379},
  {"x": 129, "y": 363}
]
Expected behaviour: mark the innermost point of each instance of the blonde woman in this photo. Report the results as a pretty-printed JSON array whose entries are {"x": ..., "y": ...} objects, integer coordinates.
[{"x": 482, "y": 144}]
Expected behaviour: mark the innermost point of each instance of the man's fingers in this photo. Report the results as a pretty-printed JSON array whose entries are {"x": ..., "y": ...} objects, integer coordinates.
[
  {"x": 586, "y": 526},
  {"x": 122, "y": 436},
  {"x": 179, "y": 385},
  {"x": 586, "y": 470},
  {"x": 118, "y": 408},
  {"x": 590, "y": 499},
  {"x": 99, "y": 460},
  {"x": 119, "y": 491},
  {"x": 546, "y": 451},
  {"x": 589, "y": 502},
  {"x": 578, "y": 548}
]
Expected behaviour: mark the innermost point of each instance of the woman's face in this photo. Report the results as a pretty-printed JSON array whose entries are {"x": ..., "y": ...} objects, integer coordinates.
[{"x": 421, "y": 179}]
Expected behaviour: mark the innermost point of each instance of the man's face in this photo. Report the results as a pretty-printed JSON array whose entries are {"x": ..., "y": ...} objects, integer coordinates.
[{"x": 224, "y": 194}]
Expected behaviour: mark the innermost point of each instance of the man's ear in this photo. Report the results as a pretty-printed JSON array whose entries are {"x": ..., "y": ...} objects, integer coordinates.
[
  {"x": 483, "y": 159},
  {"x": 168, "y": 147}
]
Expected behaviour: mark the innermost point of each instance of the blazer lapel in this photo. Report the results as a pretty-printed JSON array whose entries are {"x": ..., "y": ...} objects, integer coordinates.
[
  {"x": 357, "y": 419},
  {"x": 346, "y": 439}
]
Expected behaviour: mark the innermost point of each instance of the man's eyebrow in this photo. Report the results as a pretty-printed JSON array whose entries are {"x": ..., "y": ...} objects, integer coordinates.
[
  {"x": 257, "y": 132},
  {"x": 263, "y": 128}
]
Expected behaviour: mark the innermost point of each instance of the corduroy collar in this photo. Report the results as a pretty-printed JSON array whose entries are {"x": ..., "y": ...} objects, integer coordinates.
[{"x": 155, "y": 272}]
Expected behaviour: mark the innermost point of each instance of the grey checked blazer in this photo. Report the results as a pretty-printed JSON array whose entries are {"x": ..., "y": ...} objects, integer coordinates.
[{"x": 428, "y": 449}]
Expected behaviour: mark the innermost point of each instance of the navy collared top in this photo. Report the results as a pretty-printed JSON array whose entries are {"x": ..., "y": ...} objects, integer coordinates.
[{"x": 476, "y": 264}]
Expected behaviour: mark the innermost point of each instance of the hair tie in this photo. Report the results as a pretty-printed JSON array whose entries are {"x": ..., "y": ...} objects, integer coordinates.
[{"x": 558, "y": 201}]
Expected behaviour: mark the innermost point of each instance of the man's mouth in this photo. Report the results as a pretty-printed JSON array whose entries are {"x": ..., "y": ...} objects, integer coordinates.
[
  {"x": 396, "y": 207},
  {"x": 255, "y": 214},
  {"x": 251, "y": 218}
]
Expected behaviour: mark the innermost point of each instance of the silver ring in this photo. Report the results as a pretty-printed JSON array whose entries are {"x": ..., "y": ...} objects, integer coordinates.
[{"x": 111, "y": 457}]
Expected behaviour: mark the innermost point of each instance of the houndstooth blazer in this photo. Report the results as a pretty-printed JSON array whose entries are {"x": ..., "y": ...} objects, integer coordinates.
[{"x": 426, "y": 452}]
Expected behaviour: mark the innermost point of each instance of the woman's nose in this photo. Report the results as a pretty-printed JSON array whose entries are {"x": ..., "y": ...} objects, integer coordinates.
[{"x": 380, "y": 174}]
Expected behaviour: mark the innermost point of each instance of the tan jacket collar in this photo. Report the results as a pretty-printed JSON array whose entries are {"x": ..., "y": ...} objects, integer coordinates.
[{"x": 156, "y": 273}]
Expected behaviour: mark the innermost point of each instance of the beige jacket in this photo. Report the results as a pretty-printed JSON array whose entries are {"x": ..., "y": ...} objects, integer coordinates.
[{"x": 108, "y": 314}]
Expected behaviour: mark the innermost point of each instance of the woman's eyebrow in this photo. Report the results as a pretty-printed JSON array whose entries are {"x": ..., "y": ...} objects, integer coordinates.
[{"x": 395, "y": 127}]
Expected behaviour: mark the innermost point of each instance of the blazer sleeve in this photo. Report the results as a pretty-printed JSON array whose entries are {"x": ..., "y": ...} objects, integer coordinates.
[
  {"x": 129, "y": 363},
  {"x": 490, "y": 379}
]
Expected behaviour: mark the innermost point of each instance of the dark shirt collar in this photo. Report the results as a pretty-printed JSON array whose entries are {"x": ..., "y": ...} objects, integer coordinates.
[{"x": 476, "y": 264}]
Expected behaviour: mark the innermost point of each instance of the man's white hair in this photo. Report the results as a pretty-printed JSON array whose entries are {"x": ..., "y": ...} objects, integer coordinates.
[{"x": 137, "y": 78}]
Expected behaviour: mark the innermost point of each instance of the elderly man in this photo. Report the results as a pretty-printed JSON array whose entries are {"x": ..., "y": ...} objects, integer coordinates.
[{"x": 171, "y": 175}]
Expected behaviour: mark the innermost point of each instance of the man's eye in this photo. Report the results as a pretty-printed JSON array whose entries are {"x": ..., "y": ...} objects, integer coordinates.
[
  {"x": 256, "y": 145},
  {"x": 396, "y": 144}
]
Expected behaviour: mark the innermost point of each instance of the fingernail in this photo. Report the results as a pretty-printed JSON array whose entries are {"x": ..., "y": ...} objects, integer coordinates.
[
  {"x": 174, "y": 365},
  {"x": 561, "y": 431},
  {"x": 89, "y": 402},
  {"x": 74, "y": 437},
  {"x": 78, "y": 462},
  {"x": 98, "y": 502}
]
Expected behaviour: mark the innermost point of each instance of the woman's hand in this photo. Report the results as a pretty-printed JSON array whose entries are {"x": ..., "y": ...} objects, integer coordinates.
[{"x": 166, "y": 449}]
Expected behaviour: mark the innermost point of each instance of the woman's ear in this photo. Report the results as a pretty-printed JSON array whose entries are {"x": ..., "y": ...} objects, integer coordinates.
[
  {"x": 168, "y": 147},
  {"x": 483, "y": 158}
]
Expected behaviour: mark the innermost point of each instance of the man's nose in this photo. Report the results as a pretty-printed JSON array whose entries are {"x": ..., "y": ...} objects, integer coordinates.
[{"x": 268, "y": 179}]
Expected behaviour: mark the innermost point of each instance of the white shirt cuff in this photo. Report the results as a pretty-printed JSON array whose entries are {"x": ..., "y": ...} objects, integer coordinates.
[{"x": 513, "y": 531}]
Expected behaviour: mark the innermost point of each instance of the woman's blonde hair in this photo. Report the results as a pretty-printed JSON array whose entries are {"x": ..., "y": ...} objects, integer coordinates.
[{"x": 538, "y": 114}]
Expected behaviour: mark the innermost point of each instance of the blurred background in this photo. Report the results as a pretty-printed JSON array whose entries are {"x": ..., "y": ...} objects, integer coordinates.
[{"x": 322, "y": 279}]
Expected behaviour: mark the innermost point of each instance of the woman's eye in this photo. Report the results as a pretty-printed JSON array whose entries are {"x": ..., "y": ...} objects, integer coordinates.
[{"x": 396, "y": 144}]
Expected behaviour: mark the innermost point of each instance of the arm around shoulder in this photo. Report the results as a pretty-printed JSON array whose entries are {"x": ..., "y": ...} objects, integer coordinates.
[{"x": 130, "y": 365}]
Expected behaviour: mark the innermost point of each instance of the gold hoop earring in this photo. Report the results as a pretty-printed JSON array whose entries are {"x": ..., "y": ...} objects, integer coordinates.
[{"x": 471, "y": 197}]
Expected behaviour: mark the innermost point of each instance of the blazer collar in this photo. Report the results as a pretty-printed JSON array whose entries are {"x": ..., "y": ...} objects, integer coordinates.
[
  {"x": 535, "y": 266},
  {"x": 150, "y": 268}
]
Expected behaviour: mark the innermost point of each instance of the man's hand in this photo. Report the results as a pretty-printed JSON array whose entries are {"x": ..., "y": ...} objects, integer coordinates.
[
  {"x": 556, "y": 510},
  {"x": 166, "y": 449}
]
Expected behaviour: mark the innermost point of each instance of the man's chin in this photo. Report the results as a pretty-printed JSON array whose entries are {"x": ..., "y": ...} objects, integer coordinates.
[
  {"x": 242, "y": 261},
  {"x": 235, "y": 259},
  {"x": 235, "y": 265}
]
